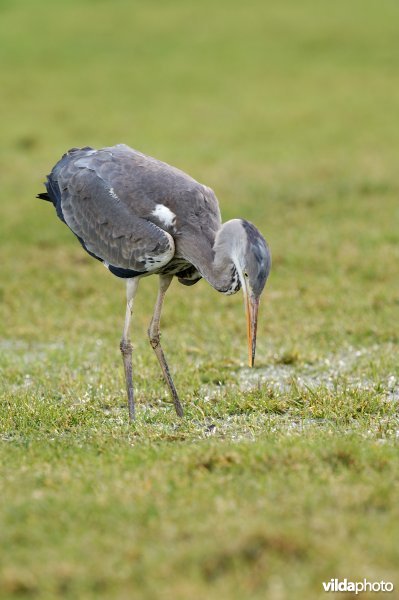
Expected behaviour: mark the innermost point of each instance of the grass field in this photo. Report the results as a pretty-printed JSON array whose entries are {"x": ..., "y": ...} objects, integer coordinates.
[{"x": 278, "y": 478}]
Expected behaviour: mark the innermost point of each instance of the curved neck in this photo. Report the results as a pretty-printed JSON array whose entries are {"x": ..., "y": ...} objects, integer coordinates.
[
  {"x": 216, "y": 261},
  {"x": 221, "y": 273}
]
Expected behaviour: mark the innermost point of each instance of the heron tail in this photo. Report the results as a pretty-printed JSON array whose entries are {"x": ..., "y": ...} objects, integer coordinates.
[{"x": 44, "y": 196}]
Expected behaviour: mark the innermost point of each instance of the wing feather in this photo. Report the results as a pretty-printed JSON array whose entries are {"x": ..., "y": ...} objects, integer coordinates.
[
  {"x": 107, "y": 227},
  {"x": 115, "y": 200}
]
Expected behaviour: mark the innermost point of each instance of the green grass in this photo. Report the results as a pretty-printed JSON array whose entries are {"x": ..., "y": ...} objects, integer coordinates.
[{"x": 277, "y": 478}]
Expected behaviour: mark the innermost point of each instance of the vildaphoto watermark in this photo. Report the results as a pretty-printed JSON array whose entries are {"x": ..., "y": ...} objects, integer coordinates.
[{"x": 344, "y": 585}]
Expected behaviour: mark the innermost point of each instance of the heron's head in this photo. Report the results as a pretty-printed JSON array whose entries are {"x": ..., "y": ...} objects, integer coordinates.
[{"x": 251, "y": 257}]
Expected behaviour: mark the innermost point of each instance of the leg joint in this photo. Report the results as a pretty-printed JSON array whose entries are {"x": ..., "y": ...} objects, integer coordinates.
[
  {"x": 126, "y": 347},
  {"x": 155, "y": 339}
]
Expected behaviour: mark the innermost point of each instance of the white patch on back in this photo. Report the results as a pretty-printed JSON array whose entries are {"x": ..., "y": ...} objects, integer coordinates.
[
  {"x": 112, "y": 193},
  {"x": 165, "y": 215}
]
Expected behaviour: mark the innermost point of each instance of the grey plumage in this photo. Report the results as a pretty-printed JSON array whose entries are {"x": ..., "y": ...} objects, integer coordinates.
[
  {"x": 140, "y": 216},
  {"x": 109, "y": 198}
]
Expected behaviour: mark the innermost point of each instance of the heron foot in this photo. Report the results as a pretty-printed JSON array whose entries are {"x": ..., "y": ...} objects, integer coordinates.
[{"x": 178, "y": 407}]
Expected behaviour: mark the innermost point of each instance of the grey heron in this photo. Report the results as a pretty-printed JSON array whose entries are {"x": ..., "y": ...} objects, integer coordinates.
[{"x": 140, "y": 216}]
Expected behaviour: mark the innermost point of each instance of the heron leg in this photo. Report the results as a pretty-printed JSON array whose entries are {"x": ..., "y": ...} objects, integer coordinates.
[
  {"x": 154, "y": 335},
  {"x": 126, "y": 345}
]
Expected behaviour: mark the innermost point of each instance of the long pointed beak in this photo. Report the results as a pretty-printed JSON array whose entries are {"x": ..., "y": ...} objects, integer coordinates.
[{"x": 251, "y": 309}]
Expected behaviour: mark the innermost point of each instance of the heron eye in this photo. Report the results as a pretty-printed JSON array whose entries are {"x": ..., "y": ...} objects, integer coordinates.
[{"x": 245, "y": 274}]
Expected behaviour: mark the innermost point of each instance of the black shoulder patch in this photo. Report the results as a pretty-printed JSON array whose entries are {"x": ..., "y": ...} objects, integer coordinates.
[{"x": 124, "y": 273}]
